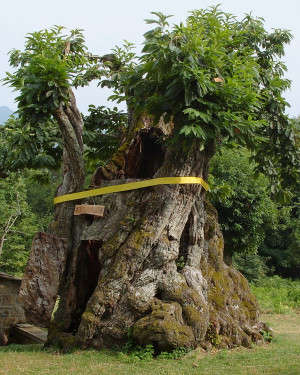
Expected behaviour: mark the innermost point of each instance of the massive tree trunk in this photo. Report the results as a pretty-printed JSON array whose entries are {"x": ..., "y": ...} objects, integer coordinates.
[{"x": 153, "y": 265}]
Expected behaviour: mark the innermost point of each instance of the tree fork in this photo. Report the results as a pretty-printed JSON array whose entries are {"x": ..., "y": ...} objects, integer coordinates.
[{"x": 154, "y": 263}]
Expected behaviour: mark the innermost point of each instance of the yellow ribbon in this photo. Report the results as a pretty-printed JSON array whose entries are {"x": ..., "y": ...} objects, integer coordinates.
[{"x": 131, "y": 186}]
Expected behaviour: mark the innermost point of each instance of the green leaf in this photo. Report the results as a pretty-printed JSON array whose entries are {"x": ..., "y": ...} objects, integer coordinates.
[{"x": 188, "y": 96}]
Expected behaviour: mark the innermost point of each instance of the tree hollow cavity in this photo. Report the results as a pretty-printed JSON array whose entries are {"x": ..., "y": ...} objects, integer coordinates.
[
  {"x": 87, "y": 274},
  {"x": 145, "y": 156},
  {"x": 183, "y": 246}
]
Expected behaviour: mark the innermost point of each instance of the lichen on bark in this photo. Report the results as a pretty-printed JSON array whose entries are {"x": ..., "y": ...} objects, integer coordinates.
[{"x": 123, "y": 273}]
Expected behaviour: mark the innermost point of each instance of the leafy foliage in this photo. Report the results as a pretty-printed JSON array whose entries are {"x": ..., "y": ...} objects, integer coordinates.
[
  {"x": 281, "y": 245},
  {"x": 262, "y": 235},
  {"x": 50, "y": 64},
  {"x": 218, "y": 79},
  {"x": 18, "y": 225},
  {"x": 253, "y": 266},
  {"x": 44, "y": 73},
  {"x": 40, "y": 148},
  {"x": 116, "y": 66},
  {"x": 174, "y": 354},
  {"x": 40, "y": 190},
  {"x": 242, "y": 200},
  {"x": 137, "y": 354},
  {"x": 279, "y": 158},
  {"x": 26, "y": 146},
  {"x": 277, "y": 295},
  {"x": 268, "y": 336},
  {"x": 103, "y": 128}
]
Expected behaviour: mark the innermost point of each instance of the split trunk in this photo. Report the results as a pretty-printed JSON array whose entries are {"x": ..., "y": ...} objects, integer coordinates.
[{"x": 152, "y": 266}]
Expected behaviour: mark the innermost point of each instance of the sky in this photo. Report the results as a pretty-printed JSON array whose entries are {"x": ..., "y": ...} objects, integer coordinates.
[{"x": 107, "y": 23}]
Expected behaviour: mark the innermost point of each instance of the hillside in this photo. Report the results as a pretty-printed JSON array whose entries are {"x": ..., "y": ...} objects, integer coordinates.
[{"x": 5, "y": 113}]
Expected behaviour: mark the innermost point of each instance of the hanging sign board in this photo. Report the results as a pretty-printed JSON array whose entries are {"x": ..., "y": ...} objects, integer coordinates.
[{"x": 89, "y": 209}]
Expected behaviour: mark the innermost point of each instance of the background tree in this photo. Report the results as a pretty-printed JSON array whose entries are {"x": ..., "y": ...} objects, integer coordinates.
[
  {"x": 18, "y": 224},
  {"x": 243, "y": 201},
  {"x": 103, "y": 128},
  {"x": 39, "y": 147},
  {"x": 30, "y": 146},
  {"x": 258, "y": 229},
  {"x": 281, "y": 245}
]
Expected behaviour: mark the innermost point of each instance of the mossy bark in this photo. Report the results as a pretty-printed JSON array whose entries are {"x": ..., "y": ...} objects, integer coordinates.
[
  {"x": 50, "y": 251},
  {"x": 153, "y": 264}
]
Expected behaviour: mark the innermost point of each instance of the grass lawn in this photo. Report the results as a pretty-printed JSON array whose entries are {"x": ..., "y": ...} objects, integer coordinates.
[{"x": 281, "y": 357}]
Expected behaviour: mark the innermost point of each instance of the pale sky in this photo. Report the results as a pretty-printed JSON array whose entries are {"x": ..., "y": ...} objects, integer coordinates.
[{"x": 108, "y": 23}]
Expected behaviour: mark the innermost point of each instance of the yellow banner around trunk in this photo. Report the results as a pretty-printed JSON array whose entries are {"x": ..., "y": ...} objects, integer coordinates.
[{"x": 131, "y": 186}]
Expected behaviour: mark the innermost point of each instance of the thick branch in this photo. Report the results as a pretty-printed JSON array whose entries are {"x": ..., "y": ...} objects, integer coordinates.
[{"x": 71, "y": 126}]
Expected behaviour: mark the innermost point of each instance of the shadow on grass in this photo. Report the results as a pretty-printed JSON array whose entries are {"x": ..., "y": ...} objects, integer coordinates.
[
  {"x": 16, "y": 348},
  {"x": 34, "y": 348}
]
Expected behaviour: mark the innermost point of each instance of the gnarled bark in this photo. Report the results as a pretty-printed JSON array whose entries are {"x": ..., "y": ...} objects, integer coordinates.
[
  {"x": 50, "y": 250},
  {"x": 44, "y": 268},
  {"x": 153, "y": 265}
]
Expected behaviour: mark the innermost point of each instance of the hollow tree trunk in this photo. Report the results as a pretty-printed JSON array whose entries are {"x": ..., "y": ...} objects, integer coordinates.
[
  {"x": 50, "y": 250},
  {"x": 153, "y": 265}
]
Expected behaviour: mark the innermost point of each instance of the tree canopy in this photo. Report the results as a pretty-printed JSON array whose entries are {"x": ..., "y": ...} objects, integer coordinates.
[
  {"x": 220, "y": 80},
  {"x": 50, "y": 64},
  {"x": 217, "y": 78}
]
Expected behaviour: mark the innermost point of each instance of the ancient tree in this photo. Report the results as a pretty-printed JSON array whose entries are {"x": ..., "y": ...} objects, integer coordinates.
[{"x": 153, "y": 265}]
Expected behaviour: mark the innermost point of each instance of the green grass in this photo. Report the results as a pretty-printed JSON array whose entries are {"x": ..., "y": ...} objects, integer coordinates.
[
  {"x": 281, "y": 357},
  {"x": 276, "y": 295}
]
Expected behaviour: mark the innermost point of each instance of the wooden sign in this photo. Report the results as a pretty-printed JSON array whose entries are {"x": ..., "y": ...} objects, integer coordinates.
[{"x": 89, "y": 209}]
